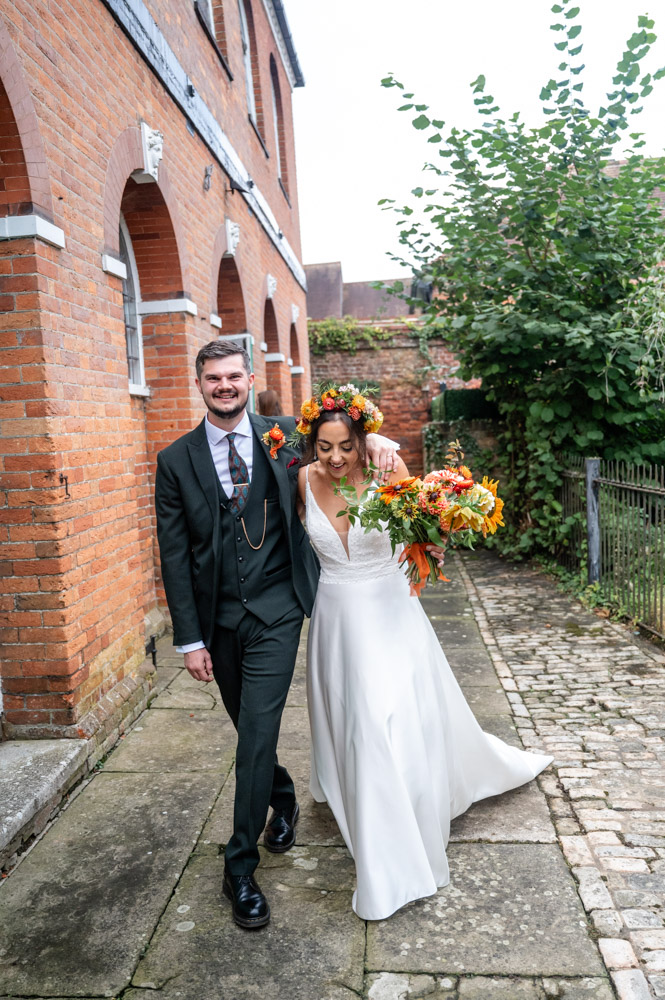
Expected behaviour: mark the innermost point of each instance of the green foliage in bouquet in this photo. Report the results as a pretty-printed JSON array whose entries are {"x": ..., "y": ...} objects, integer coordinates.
[{"x": 544, "y": 255}]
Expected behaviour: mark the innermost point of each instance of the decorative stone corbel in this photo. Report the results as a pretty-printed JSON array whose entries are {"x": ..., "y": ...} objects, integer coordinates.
[
  {"x": 232, "y": 237},
  {"x": 152, "y": 142}
]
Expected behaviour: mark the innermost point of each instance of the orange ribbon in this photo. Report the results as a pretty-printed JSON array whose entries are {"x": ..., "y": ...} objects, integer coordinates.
[{"x": 417, "y": 556}]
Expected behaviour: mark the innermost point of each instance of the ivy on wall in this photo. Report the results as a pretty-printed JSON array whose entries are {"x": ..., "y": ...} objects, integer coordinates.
[{"x": 328, "y": 336}]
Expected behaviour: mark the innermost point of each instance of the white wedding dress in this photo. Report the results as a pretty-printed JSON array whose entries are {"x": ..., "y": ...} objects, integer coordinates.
[{"x": 396, "y": 751}]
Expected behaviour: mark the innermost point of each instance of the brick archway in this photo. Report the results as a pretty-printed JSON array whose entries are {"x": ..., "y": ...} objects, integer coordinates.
[
  {"x": 297, "y": 377},
  {"x": 278, "y": 376},
  {"x": 30, "y": 190},
  {"x": 126, "y": 157},
  {"x": 230, "y": 303}
]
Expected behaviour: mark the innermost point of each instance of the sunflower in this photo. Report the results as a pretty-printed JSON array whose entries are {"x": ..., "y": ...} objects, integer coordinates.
[
  {"x": 494, "y": 519},
  {"x": 394, "y": 491}
]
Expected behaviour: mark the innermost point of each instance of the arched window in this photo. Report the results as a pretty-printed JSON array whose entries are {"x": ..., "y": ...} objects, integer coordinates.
[
  {"x": 247, "y": 58},
  {"x": 278, "y": 126},
  {"x": 131, "y": 298},
  {"x": 252, "y": 76}
]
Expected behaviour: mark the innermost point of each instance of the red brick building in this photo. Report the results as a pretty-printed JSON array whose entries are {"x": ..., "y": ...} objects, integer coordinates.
[
  {"x": 148, "y": 204},
  {"x": 407, "y": 380}
]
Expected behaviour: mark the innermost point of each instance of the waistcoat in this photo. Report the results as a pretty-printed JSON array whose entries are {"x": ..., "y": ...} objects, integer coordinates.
[{"x": 258, "y": 579}]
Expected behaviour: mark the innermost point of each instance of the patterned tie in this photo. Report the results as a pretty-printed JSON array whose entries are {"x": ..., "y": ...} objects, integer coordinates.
[{"x": 239, "y": 477}]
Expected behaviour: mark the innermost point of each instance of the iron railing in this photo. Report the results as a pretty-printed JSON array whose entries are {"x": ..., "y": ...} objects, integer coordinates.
[{"x": 614, "y": 517}]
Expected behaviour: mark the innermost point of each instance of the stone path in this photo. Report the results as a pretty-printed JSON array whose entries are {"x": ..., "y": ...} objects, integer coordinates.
[{"x": 121, "y": 897}]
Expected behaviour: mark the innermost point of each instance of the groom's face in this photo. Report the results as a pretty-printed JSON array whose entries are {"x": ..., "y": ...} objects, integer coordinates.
[{"x": 225, "y": 385}]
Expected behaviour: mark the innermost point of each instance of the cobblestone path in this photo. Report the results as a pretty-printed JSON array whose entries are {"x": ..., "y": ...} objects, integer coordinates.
[{"x": 593, "y": 694}]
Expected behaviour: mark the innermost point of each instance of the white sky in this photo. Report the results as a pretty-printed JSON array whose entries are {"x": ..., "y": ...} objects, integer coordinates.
[{"x": 352, "y": 145}]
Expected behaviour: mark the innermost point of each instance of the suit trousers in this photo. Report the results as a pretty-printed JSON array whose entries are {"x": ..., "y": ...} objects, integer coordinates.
[{"x": 253, "y": 666}]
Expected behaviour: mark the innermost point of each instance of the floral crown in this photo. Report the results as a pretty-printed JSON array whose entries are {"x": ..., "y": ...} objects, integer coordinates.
[{"x": 329, "y": 396}]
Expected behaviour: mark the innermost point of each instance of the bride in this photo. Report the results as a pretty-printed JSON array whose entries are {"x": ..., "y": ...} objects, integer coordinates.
[{"x": 396, "y": 750}]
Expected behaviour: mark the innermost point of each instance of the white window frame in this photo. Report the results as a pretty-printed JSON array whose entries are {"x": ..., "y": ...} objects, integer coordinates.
[
  {"x": 245, "y": 340},
  {"x": 247, "y": 59},
  {"x": 135, "y": 388},
  {"x": 275, "y": 119}
]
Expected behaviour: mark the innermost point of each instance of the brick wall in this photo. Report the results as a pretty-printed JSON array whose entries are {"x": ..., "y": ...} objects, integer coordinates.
[
  {"x": 406, "y": 388},
  {"x": 77, "y": 451}
]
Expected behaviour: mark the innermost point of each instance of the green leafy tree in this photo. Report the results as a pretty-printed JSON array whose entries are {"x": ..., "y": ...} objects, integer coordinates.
[{"x": 537, "y": 241}]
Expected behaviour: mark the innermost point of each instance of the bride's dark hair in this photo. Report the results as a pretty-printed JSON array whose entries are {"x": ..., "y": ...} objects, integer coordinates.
[{"x": 357, "y": 435}]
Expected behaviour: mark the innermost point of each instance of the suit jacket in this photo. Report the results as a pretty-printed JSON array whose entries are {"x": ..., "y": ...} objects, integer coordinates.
[{"x": 188, "y": 512}]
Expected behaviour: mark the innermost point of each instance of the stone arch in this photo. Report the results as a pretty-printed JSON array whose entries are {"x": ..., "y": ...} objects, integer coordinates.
[{"x": 30, "y": 188}]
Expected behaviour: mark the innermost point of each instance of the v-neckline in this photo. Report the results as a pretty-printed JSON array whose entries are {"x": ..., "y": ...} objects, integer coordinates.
[{"x": 346, "y": 549}]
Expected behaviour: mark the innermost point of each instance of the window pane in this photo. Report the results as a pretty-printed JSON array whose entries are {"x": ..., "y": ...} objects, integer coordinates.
[
  {"x": 247, "y": 53},
  {"x": 132, "y": 333}
]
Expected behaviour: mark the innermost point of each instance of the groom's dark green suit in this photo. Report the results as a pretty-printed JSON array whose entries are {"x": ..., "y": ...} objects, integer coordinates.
[{"x": 241, "y": 582}]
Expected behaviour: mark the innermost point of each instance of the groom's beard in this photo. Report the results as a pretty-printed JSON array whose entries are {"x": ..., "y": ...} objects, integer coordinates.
[
  {"x": 228, "y": 414},
  {"x": 235, "y": 405}
]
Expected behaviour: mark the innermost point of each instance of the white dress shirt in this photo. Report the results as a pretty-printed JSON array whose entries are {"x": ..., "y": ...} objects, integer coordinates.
[{"x": 219, "y": 449}]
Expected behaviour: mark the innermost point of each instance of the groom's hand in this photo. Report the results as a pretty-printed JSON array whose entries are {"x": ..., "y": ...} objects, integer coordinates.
[
  {"x": 382, "y": 452},
  {"x": 199, "y": 665}
]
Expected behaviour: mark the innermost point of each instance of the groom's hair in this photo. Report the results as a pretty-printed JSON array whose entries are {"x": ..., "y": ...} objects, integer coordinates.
[{"x": 221, "y": 349}]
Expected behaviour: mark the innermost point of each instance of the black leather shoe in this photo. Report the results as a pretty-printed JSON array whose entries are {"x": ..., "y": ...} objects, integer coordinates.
[
  {"x": 280, "y": 834},
  {"x": 250, "y": 906}
]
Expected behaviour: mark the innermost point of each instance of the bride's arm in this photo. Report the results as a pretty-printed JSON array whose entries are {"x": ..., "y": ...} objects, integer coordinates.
[{"x": 400, "y": 471}]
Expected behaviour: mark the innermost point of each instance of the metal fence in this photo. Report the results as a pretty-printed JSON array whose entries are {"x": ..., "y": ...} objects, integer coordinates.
[{"x": 614, "y": 519}]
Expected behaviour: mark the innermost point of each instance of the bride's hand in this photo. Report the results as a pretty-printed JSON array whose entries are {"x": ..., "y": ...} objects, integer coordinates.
[{"x": 438, "y": 553}]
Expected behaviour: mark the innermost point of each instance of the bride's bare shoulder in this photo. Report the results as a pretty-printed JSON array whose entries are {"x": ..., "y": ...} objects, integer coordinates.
[{"x": 401, "y": 472}]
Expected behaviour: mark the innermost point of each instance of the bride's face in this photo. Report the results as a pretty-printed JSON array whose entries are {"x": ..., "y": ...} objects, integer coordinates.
[{"x": 336, "y": 450}]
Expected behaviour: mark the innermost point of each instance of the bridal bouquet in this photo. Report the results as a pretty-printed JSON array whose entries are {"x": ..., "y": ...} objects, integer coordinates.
[{"x": 419, "y": 512}]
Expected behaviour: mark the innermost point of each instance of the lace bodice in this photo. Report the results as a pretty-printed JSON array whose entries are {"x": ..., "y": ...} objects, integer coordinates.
[{"x": 370, "y": 555}]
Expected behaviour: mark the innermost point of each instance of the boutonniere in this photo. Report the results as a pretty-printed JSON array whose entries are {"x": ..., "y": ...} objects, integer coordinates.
[{"x": 274, "y": 439}]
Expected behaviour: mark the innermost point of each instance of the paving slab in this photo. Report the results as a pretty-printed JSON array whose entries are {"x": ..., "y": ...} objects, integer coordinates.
[
  {"x": 80, "y": 908},
  {"x": 164, "y": 676},
  {"x": 472, "y": 667},
  {"x": 397, "y": 986},
  {"x": 177, "y": 741},
  {"x": 521, "y": 815},
  {"x": 312, "y": 867},
  {"x": 316, "y": 826},
  {"x": 491, "y": 988},
  {"x": 501, "y": 726},
  {"x": 488, "y": 701},
  {"x": 312, "y": 949},
  {"x": 584, "y": 988},
  {"x": 510, "y": 909},
  {"x": 452, "y": 632},
  {"x": 32, "y": 774},
  {"x": 186, "y": 693}
]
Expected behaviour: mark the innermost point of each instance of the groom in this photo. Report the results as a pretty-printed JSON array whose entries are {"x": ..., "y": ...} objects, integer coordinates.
[{"x": 239, "y": 576}]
